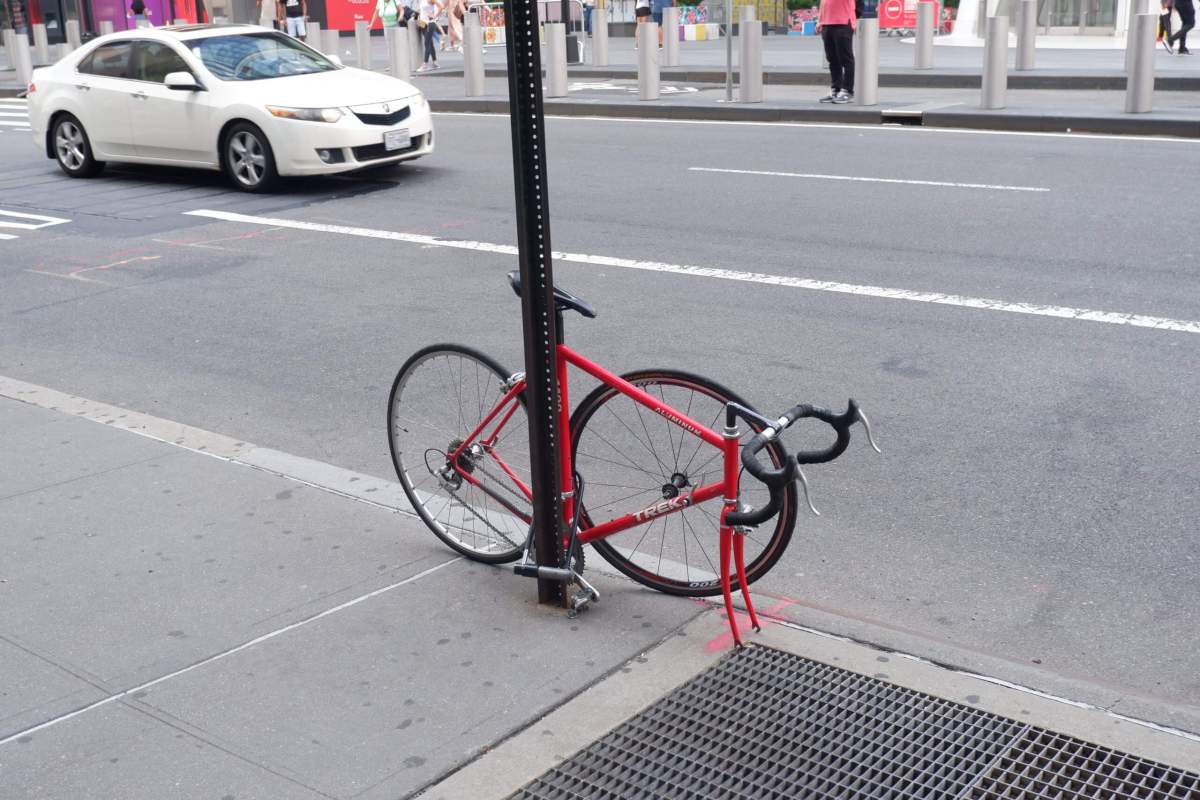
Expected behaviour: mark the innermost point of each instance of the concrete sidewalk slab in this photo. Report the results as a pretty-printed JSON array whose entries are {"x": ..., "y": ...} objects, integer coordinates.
[{"x": 183, "y": 625}]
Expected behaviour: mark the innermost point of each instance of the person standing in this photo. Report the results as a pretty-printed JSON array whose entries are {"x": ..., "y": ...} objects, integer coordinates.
[
  {"x": 836, "y": 22},
  {"x": 427, "y": 22},
  {"x": 656, "y": 15},
  {"x": 455, "y": 14},
  {"x": 138, "y": 10},
  {"x": 296, "y": 12},
  {"x": 1187, "y": 21},
  {"x": 389, "y": 11}
]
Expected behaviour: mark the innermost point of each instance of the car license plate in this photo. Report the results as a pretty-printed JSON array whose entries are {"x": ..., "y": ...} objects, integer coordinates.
[{"x": 396, "y": 140}]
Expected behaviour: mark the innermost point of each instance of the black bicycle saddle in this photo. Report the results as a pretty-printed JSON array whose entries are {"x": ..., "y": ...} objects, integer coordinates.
[{"x": 562, "y": 300}]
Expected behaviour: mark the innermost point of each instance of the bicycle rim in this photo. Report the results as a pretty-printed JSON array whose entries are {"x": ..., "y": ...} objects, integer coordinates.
[
  {"x": 439, "y": 397},
  {"x": 630, "y": 457}
]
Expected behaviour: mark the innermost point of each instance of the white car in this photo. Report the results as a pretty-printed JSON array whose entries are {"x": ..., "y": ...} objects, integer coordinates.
[{"x": 247, "y": 100}]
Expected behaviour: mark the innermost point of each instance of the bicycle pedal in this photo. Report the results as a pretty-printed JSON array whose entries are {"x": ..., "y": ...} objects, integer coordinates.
[{"x": 581, "y": 600}]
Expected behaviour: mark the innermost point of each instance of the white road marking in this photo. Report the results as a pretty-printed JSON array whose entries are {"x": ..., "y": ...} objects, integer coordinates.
[
  {"x": 5, "y": 113},
  {"x": 938, "y": 298},
  {"x": 37, "y": 220},
  {"x": 8, "y": 236},
  {"x": 13, "y": 123},
  {"x": 856, "y": 179},
  {"x": 918, "y": 129}
]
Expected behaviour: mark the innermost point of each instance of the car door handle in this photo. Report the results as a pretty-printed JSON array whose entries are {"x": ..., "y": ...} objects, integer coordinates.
[
  {"x": 139, "y": 95},
  {"x": 83, "y": 87}
]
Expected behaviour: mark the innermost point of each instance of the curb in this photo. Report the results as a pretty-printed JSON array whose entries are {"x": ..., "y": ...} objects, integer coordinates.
[
  {"x": 1131, "y": 125},
  {"x": 908, "y": 79}
]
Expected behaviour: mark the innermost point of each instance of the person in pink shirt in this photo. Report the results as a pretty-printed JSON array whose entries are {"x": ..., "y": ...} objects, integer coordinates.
[{"x": 836, "y": 22}]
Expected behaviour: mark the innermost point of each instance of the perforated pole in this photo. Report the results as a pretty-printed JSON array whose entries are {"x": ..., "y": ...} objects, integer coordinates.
[{"x": 537, "y": 282}]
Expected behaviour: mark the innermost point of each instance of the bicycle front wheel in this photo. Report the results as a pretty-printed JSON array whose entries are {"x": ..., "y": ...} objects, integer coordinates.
[
  {"x": 440, "y": 396},
  {"x": 630, "y": 458}
]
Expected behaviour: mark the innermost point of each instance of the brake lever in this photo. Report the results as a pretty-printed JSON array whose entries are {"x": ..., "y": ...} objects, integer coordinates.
[
  {"x": 867, "y": 425},
  {"x": 803, "y": 481}
]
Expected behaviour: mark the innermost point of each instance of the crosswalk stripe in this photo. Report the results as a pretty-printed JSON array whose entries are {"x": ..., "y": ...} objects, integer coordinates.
[
  {"x": 4, "y": 236},
  {"x": 12, "y": 123},
  {"x": 35, "y": 220},
  {"x": 14, "y": 114}
]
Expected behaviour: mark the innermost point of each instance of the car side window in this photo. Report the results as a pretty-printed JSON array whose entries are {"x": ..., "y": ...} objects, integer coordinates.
[
  {"x": 153, "y": 61},
  {"x": 108, "y": 60}
]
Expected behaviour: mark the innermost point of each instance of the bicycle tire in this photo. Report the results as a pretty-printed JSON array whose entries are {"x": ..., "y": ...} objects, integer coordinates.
[
  {"x": 424, "y": 424},
  {"x": 761, "y": 552}
]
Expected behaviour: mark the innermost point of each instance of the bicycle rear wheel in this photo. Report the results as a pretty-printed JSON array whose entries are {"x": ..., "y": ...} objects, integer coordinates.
[
  {"x": 630, "y": 458},
  {"x": 439, "y": 397}
]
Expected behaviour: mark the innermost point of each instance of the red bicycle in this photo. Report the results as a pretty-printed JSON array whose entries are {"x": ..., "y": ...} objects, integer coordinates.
[{"x": 662, "y": 481}]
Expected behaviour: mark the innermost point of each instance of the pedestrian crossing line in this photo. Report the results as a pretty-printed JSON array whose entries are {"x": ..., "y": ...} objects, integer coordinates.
[
  {"x": 788, "y": 281},
  {"x": 14, "y": 123},
  {"x": 6, "y": 113},
  {"x": 4, "y": 236}
]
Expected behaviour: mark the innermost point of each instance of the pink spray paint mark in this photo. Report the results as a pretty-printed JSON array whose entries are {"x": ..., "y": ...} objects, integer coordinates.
[{"x": 725, "y": 640}]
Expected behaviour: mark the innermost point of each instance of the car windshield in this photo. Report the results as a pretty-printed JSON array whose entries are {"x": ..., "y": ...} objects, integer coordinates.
[{"x": 256, "y": 56}]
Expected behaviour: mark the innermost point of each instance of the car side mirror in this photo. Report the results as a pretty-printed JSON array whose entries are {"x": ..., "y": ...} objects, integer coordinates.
[
  {"x": 182, "y": 82},
  {"x": 335, "y": 59}
]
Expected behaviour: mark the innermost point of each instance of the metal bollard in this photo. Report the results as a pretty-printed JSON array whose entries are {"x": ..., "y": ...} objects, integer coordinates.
[
  {"x": 362, "y": 43},
  {"x": 923, "y": 51},
  {"x": 866, "y": 72},
  {"x": 41, "y": 44},
  {"x": 750, "y": 73},
  {"x": 23, "y": 61},
  {"x": 9, "y": 38},
  {"x": 399, "y": 61},
  {"x": 74, "y": 40},
  {"x": 1139, "y": 87},
  {"x": 332, "y": 43},
  {"x": 473, "y": 55},
  {"x": 61, "y": 51},
  {"x": 416, "y": 54},
  {"x": 670, "y": 52},
  {"x": 995, "y": 63},
  {"x": 600, "y": 34},
  {"x": 647, "y": 40},
  {"x": 556, "y": 59},
  {"x": 1026, "y": 33},
  {"x": 312, "y": 36},
  {"x": 106, "y": 27}
]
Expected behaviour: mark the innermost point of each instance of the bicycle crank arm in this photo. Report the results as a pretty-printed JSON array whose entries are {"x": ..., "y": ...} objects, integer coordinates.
[{"x": 548, "y": 573}]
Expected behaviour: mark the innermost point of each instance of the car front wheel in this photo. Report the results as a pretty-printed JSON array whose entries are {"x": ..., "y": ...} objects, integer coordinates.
[
  {"x": 72, "y": 149},
  {"x": 248, "y": 159}
]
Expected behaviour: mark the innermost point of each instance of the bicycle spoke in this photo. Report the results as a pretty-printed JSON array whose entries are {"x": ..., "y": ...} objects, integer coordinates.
[{"x": 645, "y": 446}]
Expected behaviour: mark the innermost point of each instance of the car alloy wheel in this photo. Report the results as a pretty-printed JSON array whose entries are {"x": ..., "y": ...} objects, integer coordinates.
[
  {"x": 70, "y": 146},
  {"x": 247, "y": 158}
]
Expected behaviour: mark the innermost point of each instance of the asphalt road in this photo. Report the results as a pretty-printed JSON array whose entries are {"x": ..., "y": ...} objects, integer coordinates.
[{"x": 1037, "y": 497}]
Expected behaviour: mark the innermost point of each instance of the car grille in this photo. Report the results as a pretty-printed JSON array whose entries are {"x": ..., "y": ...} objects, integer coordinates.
[
  {"x": 383, "y": 119},
  {"x": 374, "y": 152}
]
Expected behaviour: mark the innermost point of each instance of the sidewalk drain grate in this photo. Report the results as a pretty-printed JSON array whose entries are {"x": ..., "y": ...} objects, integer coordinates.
[{"x": 767, "y": 725}]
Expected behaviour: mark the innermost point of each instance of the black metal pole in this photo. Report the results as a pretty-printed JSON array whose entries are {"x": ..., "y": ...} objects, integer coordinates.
[{"x": 537, "y": 281}]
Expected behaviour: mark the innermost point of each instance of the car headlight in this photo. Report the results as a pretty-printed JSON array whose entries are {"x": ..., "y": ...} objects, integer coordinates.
[
  {"x": 418, "y": 101},
  {"x": 307, "y": 114}
]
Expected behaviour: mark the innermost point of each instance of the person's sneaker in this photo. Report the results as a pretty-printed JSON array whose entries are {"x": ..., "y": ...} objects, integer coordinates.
[
  {"x": 843, "y": 97},
  {"x": 1167, "y": 46},
  {"x": 424, "y": 68},
  {"x": 829, "y": 98},
  {"x": 1183, "y": 51}
]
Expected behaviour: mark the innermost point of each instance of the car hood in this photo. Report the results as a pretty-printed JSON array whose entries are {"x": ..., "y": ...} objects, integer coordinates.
[{"x": 342, "y": 87}]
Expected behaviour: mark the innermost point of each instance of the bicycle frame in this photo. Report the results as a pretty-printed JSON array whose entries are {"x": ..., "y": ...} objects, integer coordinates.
[{"x": 731, "y": 541}]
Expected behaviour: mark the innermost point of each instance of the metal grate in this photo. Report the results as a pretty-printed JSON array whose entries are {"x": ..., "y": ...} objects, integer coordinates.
[
  {"x": 767, "y": 725},
  {"x": 1044, "y": 764}
]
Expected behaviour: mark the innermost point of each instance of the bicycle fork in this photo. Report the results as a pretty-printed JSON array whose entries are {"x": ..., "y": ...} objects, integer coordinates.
[{"x": 733, "y": 538}]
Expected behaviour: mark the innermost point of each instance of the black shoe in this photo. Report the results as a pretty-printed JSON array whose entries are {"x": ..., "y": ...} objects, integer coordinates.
[
  {"x": 1183, "y": 51},
  {"x": 829, "y": 98}
]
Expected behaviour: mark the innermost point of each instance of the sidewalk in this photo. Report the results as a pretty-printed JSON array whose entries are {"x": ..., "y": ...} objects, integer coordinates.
[
  {"x": 191, "y": 616},
  {"x": 1176, "y": 114}
]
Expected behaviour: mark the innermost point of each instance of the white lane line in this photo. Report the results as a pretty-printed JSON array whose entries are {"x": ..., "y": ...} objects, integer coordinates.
[
  {"x": 856, "y": 179},
  {"x": 8, "y": 236},
  {"x": 982, "y": 303},
  {"x": 5, "y": 113},
  {"x": 13, "y": 123},
  {"x": 841, "y": 127},
  {"x": 226, "y": 653},
  {"x": 37, "y": 220}
]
